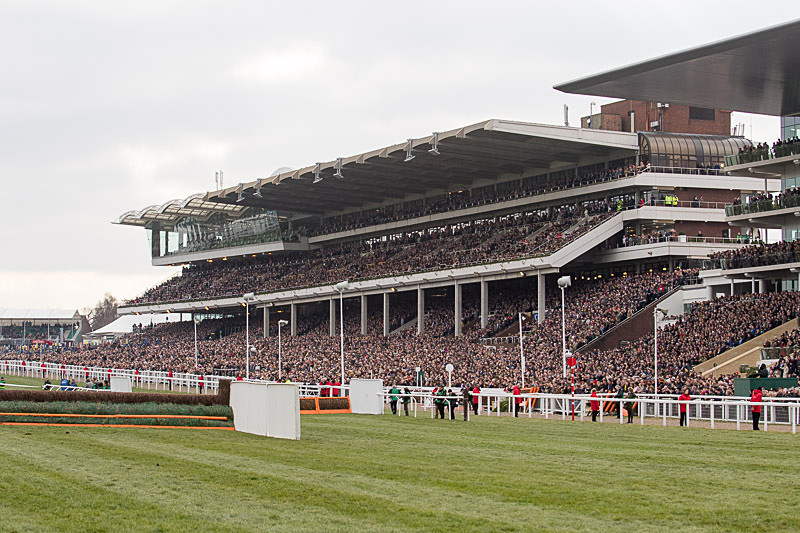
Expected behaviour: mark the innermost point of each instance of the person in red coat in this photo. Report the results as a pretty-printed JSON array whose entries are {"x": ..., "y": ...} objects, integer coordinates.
[
  {"x": 684, "y": 398},
  {"x": 475, "y": 390},
  {"x": 594, "y": 405},
  {"x": 335, "y": 388},
  {"x": 517, "y": 400},
  {"x": 756, "y": 396}
]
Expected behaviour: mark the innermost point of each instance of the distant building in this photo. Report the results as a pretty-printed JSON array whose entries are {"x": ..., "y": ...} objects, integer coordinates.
[{"x": 634, "y": 116}]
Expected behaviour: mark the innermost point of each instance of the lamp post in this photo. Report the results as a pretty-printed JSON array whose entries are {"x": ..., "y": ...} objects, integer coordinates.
[
  {"x": 655, "y": 346},
  {"x": 247, "y": 299},
  {"x": 563, "y": 283},
  {"x": 280, "y": 366},
  {"x": 341, "y": 287},
  {"x": 195, "y": 320},
  {"x": 449, "y": 369}
]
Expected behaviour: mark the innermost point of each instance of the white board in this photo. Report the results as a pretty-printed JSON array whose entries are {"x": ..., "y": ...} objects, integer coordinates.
[
  {"x": 268, "y": 409},
  {"x": 120, "y": 384},
  {"x": 365, "y": 398}
]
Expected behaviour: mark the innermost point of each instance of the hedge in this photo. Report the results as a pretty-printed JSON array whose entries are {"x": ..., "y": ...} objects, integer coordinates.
[
  {"x": 107, "y": 408},
  {"x": 328, "y": 404},
  {"x": 192, "y": 422},
  {"x": 29, "y": 395}
]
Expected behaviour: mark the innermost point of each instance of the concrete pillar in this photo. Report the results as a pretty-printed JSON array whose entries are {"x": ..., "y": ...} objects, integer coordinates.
[
  {"x": 385, "y": 314},
  {"x": 484, "y": 304},
  {"x": 733, "y": 288},
  {"x": 363, "y": 314},
  {"x": 457, "y": 314},
  {"x": 332, "y": 314},
  {"x": 762, "y": 286},
  {"x": 420, "y": 310},
  {"x": 266, "y": 321},
  {"x": 540, "y": 298},
  {"x": 753, "y": 285},
  {"x": 293, "y": 318}
]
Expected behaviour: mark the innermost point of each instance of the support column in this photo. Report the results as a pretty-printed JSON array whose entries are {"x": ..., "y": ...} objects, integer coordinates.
[
  {"x": 363, "y": 314},
  {"x": 540, "y": 298},
  {"x": 457, "y": 314},
  {"x": 484, "y": 304},
  {"x": 762, "y": 286},
  {"x": 332, "y": 317},
  {"x": 293, "y": 317},
  {"x": 266, "y": 321},
  {"x": 385, "y": 314},
  {"x": 753, "y": 285},
  {"x": 733, "y": 288},
  {"x": 420, "y": 310}
]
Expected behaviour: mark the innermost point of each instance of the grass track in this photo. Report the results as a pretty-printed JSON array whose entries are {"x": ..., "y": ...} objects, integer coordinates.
[{"x": 389, "y": 474}]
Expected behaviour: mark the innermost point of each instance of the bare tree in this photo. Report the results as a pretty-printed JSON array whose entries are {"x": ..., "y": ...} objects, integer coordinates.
[{"x": 104, "y": 312}]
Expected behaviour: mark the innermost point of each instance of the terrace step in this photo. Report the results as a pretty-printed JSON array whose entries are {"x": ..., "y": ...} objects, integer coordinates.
[{"x": 747, "y": 353}]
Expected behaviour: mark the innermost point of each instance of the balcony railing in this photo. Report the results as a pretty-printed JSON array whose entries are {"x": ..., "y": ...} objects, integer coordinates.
[{"x": 782, "y": 201}]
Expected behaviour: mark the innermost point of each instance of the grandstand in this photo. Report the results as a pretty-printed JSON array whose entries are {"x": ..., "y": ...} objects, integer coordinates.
[
  {"x": 446, "y": 249},
  {"x": 32, "y": 327}
]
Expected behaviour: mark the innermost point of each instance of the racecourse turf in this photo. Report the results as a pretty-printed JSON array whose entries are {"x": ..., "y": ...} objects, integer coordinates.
[{"x": 384, "y": 473}]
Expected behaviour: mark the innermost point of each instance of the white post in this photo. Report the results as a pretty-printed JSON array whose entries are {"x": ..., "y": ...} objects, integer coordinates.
[
  {"x": 563, "y": 333},
  {"x": 195, "y": 340},
  {"x": 247, "y": 327},
  {"x": 655, "y": 351},
  {"x": 279, "y": 351},
  {"x": 521, "y": 352},
  {"x": 341, "y": 330}
]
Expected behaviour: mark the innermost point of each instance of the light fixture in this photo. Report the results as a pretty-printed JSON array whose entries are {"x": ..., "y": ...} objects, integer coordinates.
[
  {"x": 409, "y": 155},
  {"x": 239, "y": 192},
  {"x": 257, "y": 194},
  {"x": 317, "y": 177},
  {"x": 338, "y": 173},
  {"x": 435, "y": 148}
]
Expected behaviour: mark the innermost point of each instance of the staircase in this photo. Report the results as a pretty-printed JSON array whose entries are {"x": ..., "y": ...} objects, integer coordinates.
[{"x": 747, "y": 353}]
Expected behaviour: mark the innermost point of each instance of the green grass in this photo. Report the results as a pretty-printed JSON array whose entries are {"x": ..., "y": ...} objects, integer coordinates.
[{"x": 384, "y": 473}]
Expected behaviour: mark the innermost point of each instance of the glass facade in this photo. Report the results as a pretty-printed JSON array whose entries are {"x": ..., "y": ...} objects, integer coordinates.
[
  {"x": 688, "y": 151},
  {"x": 790, "y": 127}
]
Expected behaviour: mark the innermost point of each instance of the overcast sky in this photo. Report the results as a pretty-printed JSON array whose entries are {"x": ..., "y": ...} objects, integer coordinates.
[{"x": 111, "y": 106}]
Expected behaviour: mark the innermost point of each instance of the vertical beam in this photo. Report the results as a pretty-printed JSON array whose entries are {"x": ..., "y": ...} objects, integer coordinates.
[
  {"x": 753, "y": 285},
  {"x": 484, "y": 304},
  {"x": 420, "y": 310},
  {"x": 386, "y": 314},
  {"x": 457, "y": 314},
  {"x": 332, "y": 317},
  {"x": 733, "y": 288},
  {"x": 266, "y": 321},
  {"x": 540, "y": 298},
  {"x": 293, "y": 317},
  {"x": 363, "y": 314},
  {"x": 762, "y": 286}
]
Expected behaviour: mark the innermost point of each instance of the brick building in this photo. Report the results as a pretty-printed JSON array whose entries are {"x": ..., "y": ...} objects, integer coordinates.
[{"x": 656, "y": 116}]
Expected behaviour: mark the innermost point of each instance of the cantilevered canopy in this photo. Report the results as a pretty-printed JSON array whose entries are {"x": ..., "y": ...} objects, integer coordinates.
[
  {"x": 758, "y": 72},
  {"x": 171, "y": 212},
  {"x": 681, "y": 150},
  {"x": 462, "y": 157}
]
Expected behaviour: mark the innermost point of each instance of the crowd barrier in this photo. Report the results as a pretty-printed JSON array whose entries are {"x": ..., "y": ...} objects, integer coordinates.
[{"x": 712, "y": 409}]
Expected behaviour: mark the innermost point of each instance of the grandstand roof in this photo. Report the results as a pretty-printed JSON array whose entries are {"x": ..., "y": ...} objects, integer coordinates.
[
  {"x": 483, "y": 150},
  {"x": 171, "y": 212},
  {"x": 757, "y": 72},
  {"x": 38, "y": 315}
]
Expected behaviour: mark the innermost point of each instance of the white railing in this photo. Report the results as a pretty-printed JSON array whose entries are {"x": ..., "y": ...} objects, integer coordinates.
[
  {"x": 142, "y": 379},
  {"x": 712, "y": 409}
]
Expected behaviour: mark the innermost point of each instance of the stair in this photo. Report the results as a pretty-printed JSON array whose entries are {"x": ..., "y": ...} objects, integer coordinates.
[{"x": 747, "y": 353}]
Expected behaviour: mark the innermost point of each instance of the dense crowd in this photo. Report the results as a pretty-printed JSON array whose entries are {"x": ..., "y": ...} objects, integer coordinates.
[
  {"x": 466, "y": 198},
  {"x": 481, "y": 241},
  {"x": 762, "y": 151},
  {"x": 760, "y": 254},
  {"x": 592, "y": 308}
]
